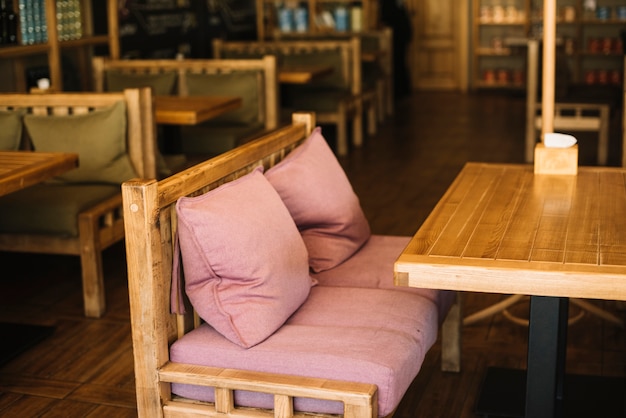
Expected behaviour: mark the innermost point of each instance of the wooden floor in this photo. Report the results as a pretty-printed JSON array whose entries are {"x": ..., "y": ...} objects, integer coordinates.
[{"x": 85, "y": 369}]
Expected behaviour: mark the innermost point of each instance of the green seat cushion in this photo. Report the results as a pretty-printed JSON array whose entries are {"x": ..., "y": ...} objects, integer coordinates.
[
  {"x": 244, "y": 84},
  {"x": 11, "y": 129},
  {"x": 215, "y": 138},
  {"x": 50, "y": 208},
  {"x": 99, "y": 139},
  {"x": 162, "y": 84}
]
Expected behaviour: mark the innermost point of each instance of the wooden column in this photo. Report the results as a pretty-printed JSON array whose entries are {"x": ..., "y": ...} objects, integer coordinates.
[{"x": 549, "y": 47}]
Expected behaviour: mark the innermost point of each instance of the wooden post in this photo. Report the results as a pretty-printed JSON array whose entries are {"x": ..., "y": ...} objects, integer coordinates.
[{"x": 549, "y": 47}]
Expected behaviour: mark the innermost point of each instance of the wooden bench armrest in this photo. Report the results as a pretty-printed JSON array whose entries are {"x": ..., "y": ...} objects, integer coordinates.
[{"x": 359, "y": 397}]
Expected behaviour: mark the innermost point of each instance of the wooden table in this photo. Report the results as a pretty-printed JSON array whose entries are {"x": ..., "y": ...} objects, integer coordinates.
[
  {"x": 502, "y": 229},
  {"x": 301, "y": 74},
  {"x": 173, "y": 111},
  {"x": 20, "y": 169},
  {"x": 192, "y": 110}
]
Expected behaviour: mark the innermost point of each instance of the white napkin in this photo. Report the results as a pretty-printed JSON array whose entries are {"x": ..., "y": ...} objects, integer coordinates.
[{"x": 556, "y": 140}]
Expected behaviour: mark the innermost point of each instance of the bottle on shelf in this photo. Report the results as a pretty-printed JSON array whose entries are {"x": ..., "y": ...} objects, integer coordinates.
[
  {"x": 356, "y": 17},
  {"x": 341, "y": 18}
]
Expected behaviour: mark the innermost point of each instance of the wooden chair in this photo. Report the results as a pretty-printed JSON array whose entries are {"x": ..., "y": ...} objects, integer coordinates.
[
  {"x": 568, "y": 117},
  {"x": 337, "y": 100},
  {"x": 159, "y": 73},
  {"x": 101, "y": 225}
]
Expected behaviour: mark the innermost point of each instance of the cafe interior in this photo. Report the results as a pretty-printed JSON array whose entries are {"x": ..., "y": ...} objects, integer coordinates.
[{"x": 477, "y": 148}]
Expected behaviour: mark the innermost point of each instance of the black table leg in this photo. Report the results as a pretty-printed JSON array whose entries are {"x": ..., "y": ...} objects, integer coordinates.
[{"x": 547, "y": 341}]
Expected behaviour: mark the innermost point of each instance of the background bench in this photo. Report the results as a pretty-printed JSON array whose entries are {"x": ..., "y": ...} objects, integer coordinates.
[
  {"x": 338, "y": 99},
  {"x": 254, "y": 80},
  {"x": 78, "y": 216}
]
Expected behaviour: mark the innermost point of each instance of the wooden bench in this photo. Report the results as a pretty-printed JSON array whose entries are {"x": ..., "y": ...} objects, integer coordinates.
[
  {"x": 153, "y": 224},
  {"x": 338, "y": 99},
  {"x": 99, "y": 225},
  {"x": 376, "y": 58},
  {"x": 255, "y": 80}
]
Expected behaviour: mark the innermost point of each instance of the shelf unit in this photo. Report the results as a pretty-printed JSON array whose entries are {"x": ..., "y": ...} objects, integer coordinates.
[
  {"x": 54, "y": 46},
  {"x": 276, "y": 18},
  {"x": 590, "y": 41}
]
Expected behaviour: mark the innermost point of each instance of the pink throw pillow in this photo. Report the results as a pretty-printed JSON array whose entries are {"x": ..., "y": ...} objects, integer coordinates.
[
  {"x": 246, "y": 266},
  {"x": 321, "y": 201}
]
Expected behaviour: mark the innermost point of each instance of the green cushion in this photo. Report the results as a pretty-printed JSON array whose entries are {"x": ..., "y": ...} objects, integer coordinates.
[
  {"x": 162, "y": 83},
  {"x": 10, "y": 129},
  {"x": 99, "y": 139},
  {"x": 244, "y": 84},
  {"x": 216, "y": 138},
  {"x": 50, "y": 209}
]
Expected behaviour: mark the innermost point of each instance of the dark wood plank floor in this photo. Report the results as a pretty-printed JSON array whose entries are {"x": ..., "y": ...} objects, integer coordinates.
[{"x": 85, "y": 368}]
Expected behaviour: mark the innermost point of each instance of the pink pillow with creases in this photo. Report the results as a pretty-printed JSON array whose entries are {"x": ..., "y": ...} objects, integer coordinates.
[
  {"x": 245, "y": 264},
  {"x": 321, "y": 200}
]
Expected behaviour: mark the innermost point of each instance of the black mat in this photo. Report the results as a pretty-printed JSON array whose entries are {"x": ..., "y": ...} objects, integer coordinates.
[{"x": 17, "y": 338}]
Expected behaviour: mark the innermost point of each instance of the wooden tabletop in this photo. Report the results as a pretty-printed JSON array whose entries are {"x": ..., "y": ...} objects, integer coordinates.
[
  {"x": 20, "y": 169},
  {"x": 192, "y": 110},
  {"x": 502, "y": 229},
  {"x": 301, "y": 74}
]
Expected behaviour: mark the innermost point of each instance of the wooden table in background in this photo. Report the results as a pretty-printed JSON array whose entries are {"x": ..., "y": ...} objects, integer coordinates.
[
  {"x": 174, "y": 111},
  {"x": 501, "y": 229},
  {"x": 192, "y": 110},
  {"x": 20, "y": 169},
  {"x": 302, "y": 74}
]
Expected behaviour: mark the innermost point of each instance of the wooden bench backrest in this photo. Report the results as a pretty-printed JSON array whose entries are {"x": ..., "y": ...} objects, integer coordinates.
[
  {"x": 349, "y": 49},
  {"x": 264, "y": 66},
  {"x": 141, "y": 143}
]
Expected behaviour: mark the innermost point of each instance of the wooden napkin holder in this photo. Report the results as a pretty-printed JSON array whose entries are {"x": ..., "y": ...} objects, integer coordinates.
[{"x": 556, "y": 160}]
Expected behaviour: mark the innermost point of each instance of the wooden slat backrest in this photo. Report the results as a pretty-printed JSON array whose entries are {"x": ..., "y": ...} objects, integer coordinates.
[
  {"x": 140, "y": 123},
  {"x": 264, "y": 66},
  {"x": 150, "y": 222}
]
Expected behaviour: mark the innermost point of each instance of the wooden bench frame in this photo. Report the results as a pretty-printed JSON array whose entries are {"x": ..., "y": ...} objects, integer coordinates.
[
  {"x": 350, "y": 110},
  {"x": 268, "y": 97},
  {"x": 102, "y": 225},
  {"x": 150, "y": 218}
]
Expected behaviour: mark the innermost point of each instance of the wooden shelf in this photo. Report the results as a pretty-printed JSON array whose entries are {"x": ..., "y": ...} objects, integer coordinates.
[
  {"x": 52, "y": 48},
  {"x": 574, "y": 35},
  {"x": 268, "y": 21}
]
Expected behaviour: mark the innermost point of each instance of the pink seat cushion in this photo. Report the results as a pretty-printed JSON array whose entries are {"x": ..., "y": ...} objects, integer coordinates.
[
  {"x": 372, "y": 267},
  {"x": 321, "y": 201},
  {"x": 352, "y": 334},
  {"x": 230, "y": 239}
]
